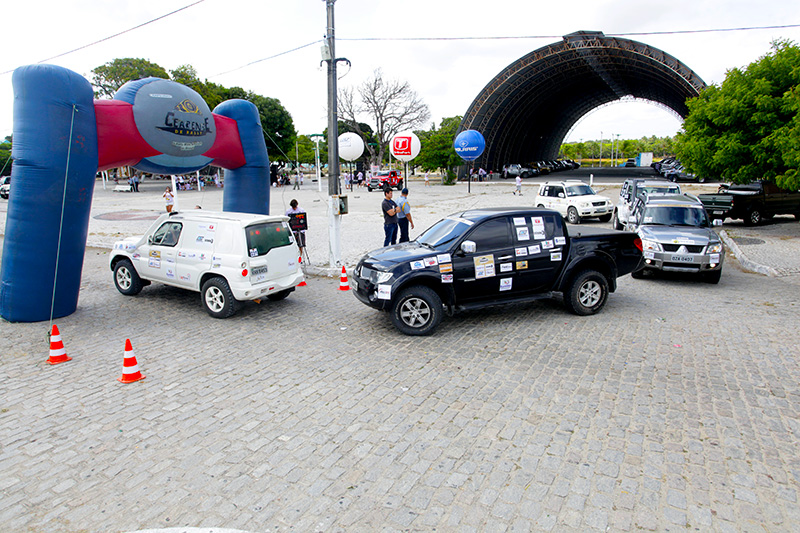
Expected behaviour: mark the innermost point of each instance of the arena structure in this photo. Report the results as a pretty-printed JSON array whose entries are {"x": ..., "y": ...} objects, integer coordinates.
[{"x": 526, "y": 111}]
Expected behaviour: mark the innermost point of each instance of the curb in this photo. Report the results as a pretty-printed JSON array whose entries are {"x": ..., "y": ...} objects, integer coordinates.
[{"x": 743, "y": 260}]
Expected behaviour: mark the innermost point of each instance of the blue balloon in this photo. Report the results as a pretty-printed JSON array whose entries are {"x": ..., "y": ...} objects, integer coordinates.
[{"x": 469, "y": 145}]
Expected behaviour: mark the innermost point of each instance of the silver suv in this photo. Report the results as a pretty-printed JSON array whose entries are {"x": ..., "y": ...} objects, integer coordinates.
[{"x": 677, "y": 236}]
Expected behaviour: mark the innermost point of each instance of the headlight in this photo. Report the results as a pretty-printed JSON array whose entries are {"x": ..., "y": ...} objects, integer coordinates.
[
  {"x": 714, "y": 248},
  {"x": 651, "y": 246},
  {"x": 584, "y": 204},
  {"x": 377, "y": 277}
]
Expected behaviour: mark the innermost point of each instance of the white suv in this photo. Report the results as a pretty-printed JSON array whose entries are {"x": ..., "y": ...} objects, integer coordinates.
[
  {"x": 225, "y": 256},
  {"x": 574, "y": 200}
]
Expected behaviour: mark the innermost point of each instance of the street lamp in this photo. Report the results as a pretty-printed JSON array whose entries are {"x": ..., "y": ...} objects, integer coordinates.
[{"x": 316, "y": 137}]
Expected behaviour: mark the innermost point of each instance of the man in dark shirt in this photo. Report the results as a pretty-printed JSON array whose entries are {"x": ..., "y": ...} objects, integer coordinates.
[{"x": 390, "y": 210}]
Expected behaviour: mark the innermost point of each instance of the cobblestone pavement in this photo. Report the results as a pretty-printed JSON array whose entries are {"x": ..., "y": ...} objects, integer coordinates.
[
  {"x": 675, "y": 407},
  {"x": 773, "y": 248}
]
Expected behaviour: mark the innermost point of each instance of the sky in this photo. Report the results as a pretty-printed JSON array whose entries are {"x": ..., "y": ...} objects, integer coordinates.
[{"x": 232, "y": 43}]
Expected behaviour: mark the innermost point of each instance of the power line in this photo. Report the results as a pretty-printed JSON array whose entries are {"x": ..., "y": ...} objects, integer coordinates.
[
  {"x": 506, "y": 37},
  {"x": 268, "y": 58},
  {"x": 116, "y": 34},
  {"x": 519, "y": 37}
]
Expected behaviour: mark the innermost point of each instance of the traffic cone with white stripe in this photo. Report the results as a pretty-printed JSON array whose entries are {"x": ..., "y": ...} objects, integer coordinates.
[
  {"x": 130, "y": 368},
  {"x": 57, "y": 352},
  {"x": 343, "y": 283}
]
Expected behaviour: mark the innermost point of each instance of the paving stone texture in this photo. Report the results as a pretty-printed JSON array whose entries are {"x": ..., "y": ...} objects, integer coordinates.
[{"x": 677, "y": 407}]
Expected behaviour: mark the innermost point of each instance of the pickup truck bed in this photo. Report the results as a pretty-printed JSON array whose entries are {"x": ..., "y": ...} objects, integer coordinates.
[{"x": 752, "y": 202}]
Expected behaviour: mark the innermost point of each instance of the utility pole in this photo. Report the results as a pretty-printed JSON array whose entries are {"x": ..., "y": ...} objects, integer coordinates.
[{"x": 335, "y": 221}]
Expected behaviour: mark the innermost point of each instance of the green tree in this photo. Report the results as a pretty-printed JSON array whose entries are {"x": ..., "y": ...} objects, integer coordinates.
[
  {"x": 437, "y": 150},
  {"x": 110, "y": 77},
  {"x": 747, "y": 128},
  {"x": 5, "y": 157}
]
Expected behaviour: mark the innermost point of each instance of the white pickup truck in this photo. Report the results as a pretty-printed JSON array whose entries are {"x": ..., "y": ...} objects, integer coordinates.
[{"x": 227, "y": 257}]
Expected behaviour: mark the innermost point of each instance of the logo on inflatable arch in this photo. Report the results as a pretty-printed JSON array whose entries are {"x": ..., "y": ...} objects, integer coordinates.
[{"x": 173, "y": 119}]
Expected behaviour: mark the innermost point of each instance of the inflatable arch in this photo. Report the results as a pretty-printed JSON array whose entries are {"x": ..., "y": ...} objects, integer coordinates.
[{"x": 63, "y": 137}]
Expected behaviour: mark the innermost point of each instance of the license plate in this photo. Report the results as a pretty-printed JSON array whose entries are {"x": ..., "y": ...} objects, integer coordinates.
[
  {"x": 682, "y": 259},
  {"x": 259, "y": 270}
]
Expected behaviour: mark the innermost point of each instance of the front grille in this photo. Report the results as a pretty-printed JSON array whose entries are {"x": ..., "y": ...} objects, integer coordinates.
[
  {"x": 691, "y": 248},
  {"x": 598, "y": 204}
]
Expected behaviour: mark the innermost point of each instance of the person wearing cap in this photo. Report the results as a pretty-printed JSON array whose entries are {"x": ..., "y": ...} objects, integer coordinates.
[{"x": 404, "y": 216}]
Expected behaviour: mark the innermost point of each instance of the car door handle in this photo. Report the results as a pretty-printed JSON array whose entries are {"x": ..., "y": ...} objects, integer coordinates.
[{"x": 505, "y": 258}]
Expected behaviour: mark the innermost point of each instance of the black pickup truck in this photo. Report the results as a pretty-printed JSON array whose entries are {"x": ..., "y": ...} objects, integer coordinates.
[
  {"x": 492, "y": 256},
  {"x": 752, "y": 202}
]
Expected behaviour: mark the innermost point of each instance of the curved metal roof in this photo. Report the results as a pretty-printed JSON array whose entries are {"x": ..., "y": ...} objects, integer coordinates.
[{"x": 525, "y": 112}]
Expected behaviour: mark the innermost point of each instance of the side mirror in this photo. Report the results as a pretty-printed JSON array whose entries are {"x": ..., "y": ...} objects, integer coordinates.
[
  {"x": 150, "y": 239},
  {"x": 716, "y": 222},
  {"x": 468, "y": 247},
  {"x": 561, "y": 195}
]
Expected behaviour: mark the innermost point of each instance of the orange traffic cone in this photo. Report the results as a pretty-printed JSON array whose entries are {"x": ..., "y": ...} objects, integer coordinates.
[
  {"x": 57, "y": 352},
  {"x": 343, "y": 284},
  {"x": 130, "y": 368}
]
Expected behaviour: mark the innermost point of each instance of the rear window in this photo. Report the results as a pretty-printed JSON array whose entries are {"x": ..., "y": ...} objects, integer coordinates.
[{"x": 261, "y": 238}]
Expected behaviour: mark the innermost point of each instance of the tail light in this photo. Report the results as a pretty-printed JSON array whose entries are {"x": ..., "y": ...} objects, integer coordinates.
[
  {"x": 300, "y": 259},
  {"x": 244, "y": 273},
  {"x": 638, "y": 243}
]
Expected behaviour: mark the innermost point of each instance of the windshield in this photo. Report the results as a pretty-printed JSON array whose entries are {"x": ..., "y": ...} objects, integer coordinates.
[
  {"x": 442, "y": 234},
  {"x": 660, "y": 190},
  {"x": 579, "y": 190},
  {"x": 675, "y": 216}
]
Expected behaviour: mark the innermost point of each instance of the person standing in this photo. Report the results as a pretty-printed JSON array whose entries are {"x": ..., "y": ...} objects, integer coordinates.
[
  {"x": 427, "y": 179},
  {"x": 390, "y": 210},
  {"x": 518, "y": 189},
  {"x": 404, "y": 216},
  {"x": 135, "y": 182},
  {"x": 296, "y": 181},
  {"x": 300, "y": 235},
  {"x": 169, "y": 198}
]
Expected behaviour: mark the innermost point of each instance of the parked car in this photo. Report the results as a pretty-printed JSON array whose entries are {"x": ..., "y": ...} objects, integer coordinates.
[
  {"x": 227, "y": 257},
  {"x": 677, "y": 236},
  {"x": 492, "y": 256},
  {"x": 630, "y": 163},
  {"x": 385, "y": 178},
  {"x": 512, "y": 171},
  {"x": 752, "y": 202},
  {"x": 574, "y": 200},
  {"x": 631, "y": 189},
  {"x": 5, "y": 187}
]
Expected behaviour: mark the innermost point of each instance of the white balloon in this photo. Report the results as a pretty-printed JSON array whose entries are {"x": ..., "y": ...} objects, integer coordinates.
[
  {"x": 351, "y": 146},
  {"x": 405, "y": 146}
]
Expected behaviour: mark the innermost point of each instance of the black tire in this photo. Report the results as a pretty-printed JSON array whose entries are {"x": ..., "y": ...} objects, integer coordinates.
[
  {"x": 126, "y": 279},
  {"x": 615, "y": 221},
  {"x": 278, "y": 296},
  {"x": 369, "y": 189},
  {"x": 587, "y": 294},
  {"x": 572, "y": 216},
  {"x": 525, "y": 175},
  {"x": 417, "y": 311},
  {"x": 753, "y": 217},
  {"x": 712, "y": 277},
  {"x": 604, "y": 218},
  {"x": 400, "y": 186},
  {"x": 217, "y": 298},
  {"x": 540, "y": 206}
]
